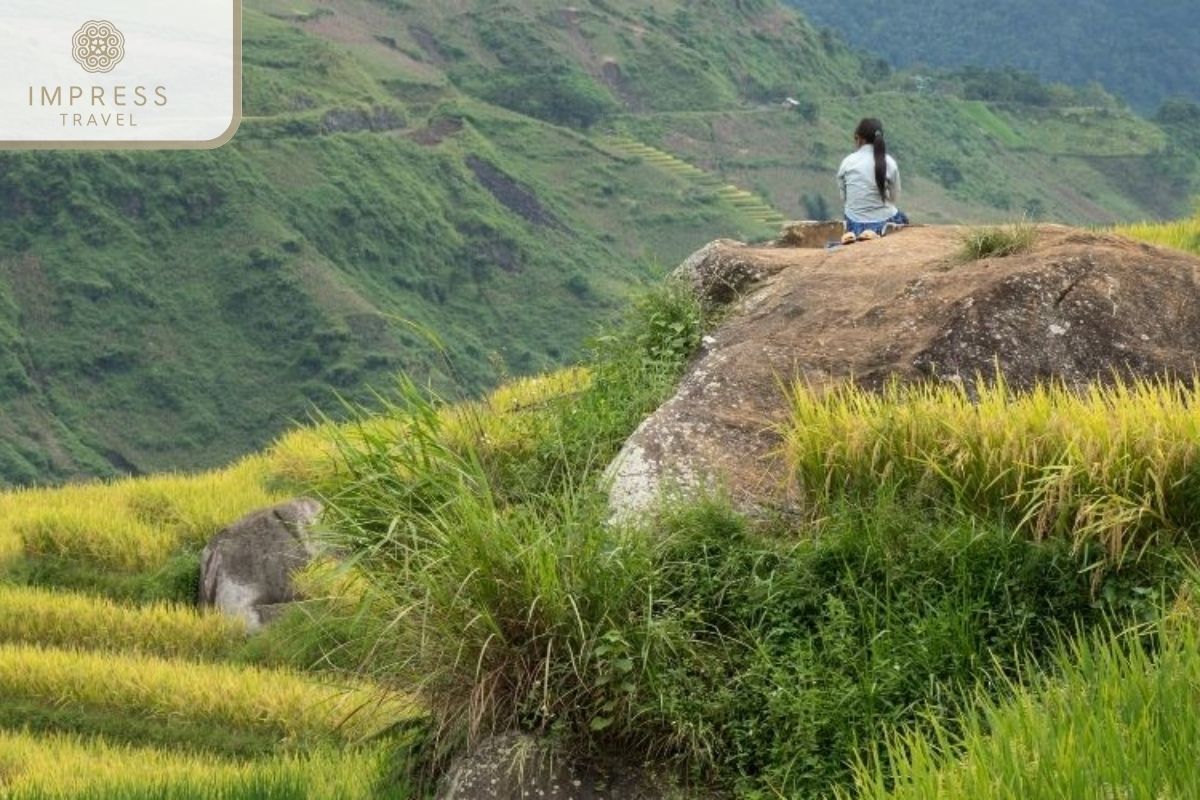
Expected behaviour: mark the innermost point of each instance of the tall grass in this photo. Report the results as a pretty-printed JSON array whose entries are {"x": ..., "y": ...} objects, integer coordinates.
[
  {"x": 63, "y": 619},
  {"x": 60, "y": 766},
  {"x": 998, "y": 242},
  {"x": 1117, "y": 467},
  {"x": 497, "y": 589},
  {"x": 1114, "y": 720},
  {"x": 283, "y": 704}
]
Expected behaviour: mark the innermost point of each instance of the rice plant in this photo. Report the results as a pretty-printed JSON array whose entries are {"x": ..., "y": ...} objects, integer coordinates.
[
  {"x": 281, "y": 703},
  {"x": 1181, "y": 235},
  {"x": 57, "y": 766},
  {"x": 309, "y": 455},
  {"x": 130, "y": 525},
  {"x": 1115, "y": 466},
  {"x": 63, "y": 619},
  {"x": 1114, "y": 720}
]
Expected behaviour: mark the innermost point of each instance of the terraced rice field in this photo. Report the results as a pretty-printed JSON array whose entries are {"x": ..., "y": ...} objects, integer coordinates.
[
  {"x": 113, "y": 685},
  {"x": 754, "y": 208}
]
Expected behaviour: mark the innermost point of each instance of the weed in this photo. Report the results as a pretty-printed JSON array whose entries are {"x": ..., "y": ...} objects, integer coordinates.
[{"x": 998, "y": 242}]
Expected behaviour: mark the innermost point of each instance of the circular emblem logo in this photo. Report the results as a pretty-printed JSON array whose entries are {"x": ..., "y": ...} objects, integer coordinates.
[{"x": 98, "y": 46}]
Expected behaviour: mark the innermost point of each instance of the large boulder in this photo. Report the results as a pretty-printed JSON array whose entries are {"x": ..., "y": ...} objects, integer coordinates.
[
  {"x": 246, "y": 570},
  {"x": 522, "y": 767},
  {"x": 1077, "y": 307},
  {"x": 718, "y": 273}
]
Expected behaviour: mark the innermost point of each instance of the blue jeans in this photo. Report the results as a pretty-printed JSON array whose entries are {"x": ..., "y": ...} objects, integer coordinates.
[{"x": 859, "y": 228}]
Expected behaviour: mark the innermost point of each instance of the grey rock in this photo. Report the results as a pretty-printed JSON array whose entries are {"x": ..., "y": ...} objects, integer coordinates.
[
  {"x": 718, "y": 273},
  {"x": 522, "y": 767},
  {"x": 246, "y": 570}
]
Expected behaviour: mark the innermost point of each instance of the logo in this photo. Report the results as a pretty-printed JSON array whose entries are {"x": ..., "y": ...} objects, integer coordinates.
[
  {"x": 144, "y": 74},
  {"x": 98, "y": 46}
]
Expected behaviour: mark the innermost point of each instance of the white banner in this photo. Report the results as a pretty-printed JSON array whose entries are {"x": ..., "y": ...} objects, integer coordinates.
[{"x": 119, "y": 73}]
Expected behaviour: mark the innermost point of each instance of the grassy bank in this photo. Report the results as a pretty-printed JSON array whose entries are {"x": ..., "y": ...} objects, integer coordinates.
[{"x": 760, "y": 657}]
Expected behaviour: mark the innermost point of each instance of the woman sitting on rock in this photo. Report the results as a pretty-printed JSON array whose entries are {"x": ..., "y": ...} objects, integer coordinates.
[{"x": 870, "y": 182}]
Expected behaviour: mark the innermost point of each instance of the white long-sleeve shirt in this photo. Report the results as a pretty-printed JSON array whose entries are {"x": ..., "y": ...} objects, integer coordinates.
[{"x": 860, "y": 194}]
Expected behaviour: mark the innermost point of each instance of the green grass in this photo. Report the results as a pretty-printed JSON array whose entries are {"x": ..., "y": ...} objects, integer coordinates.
[
  {"x": 1110, "y": 721},
  {"x": 528, "y": 607},
  {"x": 998, "y": 242},
  {"x": 760, "y": 658}
]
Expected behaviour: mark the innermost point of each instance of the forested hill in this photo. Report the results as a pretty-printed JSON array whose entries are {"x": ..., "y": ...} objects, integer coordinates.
[
  {"x": 1146, "y": 51},
  {"x": 461, "y": 192}
]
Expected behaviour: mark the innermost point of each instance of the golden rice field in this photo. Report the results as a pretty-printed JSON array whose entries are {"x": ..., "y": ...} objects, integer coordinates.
[
  {"x": 1182, "y": 235},
  {"x": 130, "y": 525},
  {"x": 293, "y": 706},
  {"x": 65, "y": 766},
  {"x": 85, "y": 622},
  {"x": 1114, "y": 465},
  {"x": 84, "y": 656}
]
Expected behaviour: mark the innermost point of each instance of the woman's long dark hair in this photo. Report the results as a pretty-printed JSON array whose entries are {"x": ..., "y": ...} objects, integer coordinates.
[{"x": 871, "y": 131}]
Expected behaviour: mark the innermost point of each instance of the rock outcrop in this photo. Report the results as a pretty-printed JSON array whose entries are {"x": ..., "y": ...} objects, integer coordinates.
[
  {"x": 246, "y": 570},
  {"x": 1078, "y": 307}
]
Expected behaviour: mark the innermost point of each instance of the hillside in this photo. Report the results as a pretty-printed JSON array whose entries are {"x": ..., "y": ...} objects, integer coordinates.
[
  {"x": 1011, "y": 567},
  {"x": 462, "y": 192},
  {"x": 1144, "y": 52}
]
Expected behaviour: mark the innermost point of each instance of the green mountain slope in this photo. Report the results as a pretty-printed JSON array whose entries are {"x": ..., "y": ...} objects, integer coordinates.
[
  {"x": 1146, "y": 51},
  {"x": 462, "y": 191}
]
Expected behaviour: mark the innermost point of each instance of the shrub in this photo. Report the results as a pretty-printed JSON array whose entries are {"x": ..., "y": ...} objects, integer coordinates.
[{"x": 880, "y": 615}]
